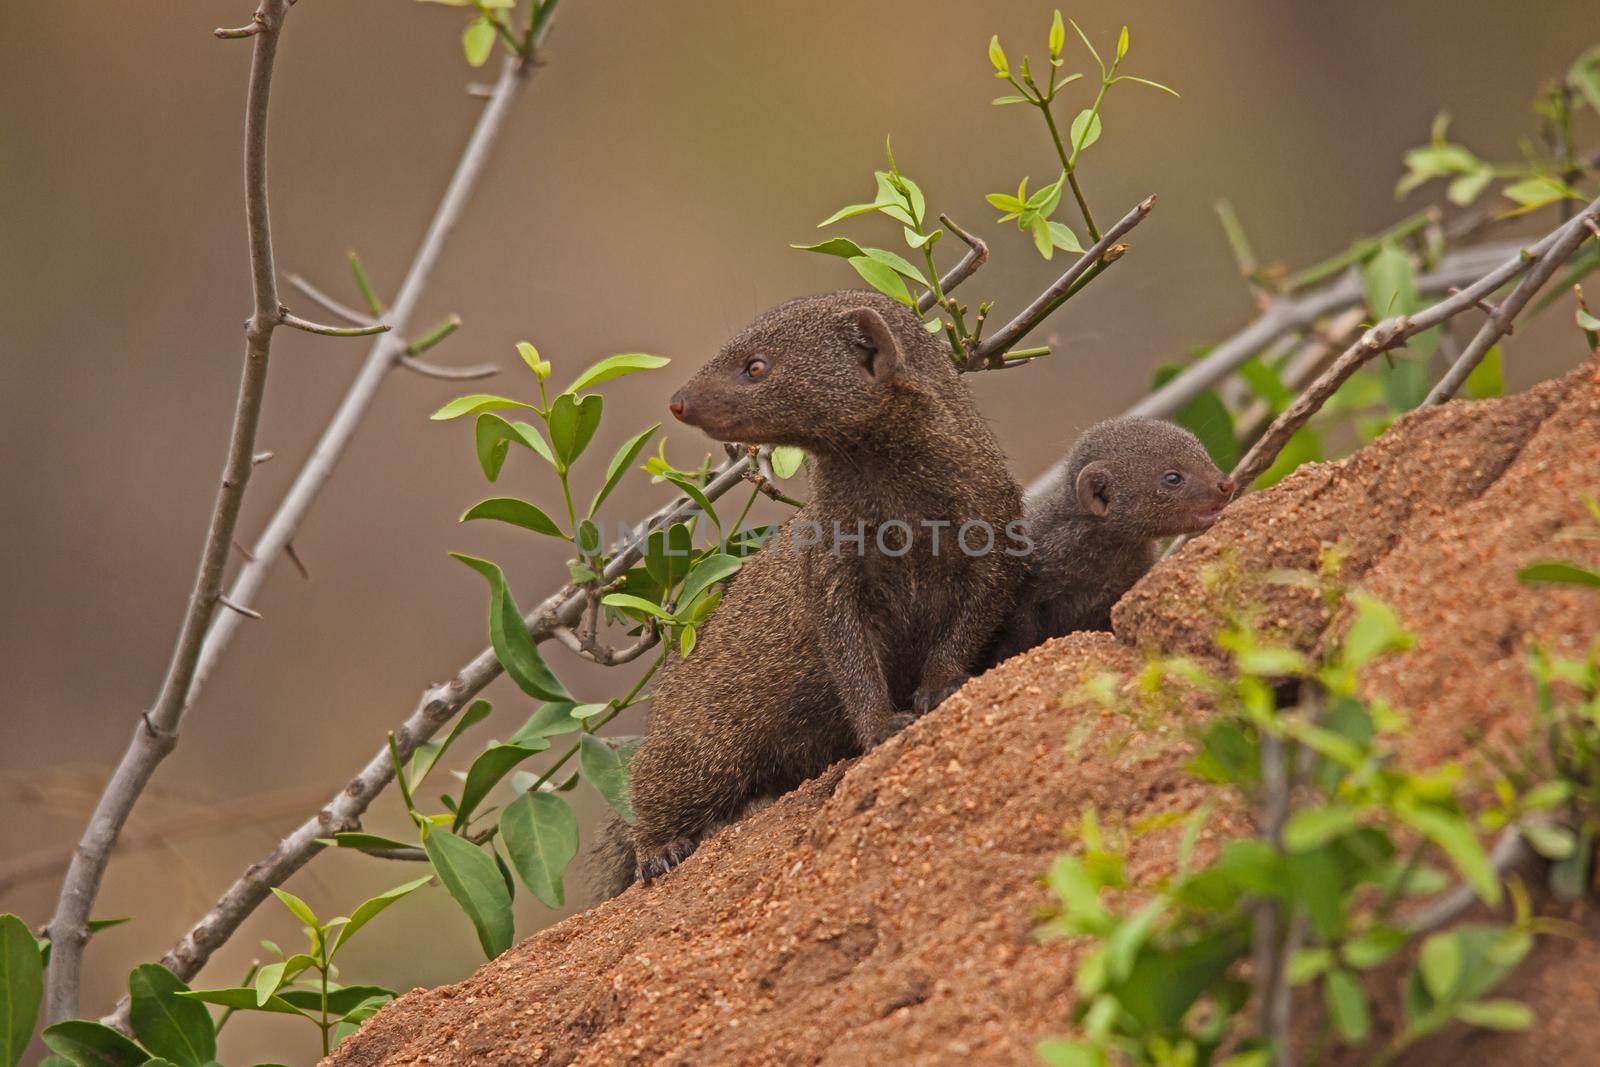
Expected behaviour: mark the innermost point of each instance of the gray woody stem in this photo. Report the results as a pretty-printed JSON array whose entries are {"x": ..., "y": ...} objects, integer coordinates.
[
  {"x": 1051, "y": 298},
  {"x": 388, "y": 352},
  {"x": 437, "y": 706},
  {"x": 156, "y": 733},
  {"x": 1501, "y": 318},
  {"x": 1391, "y": 333}
]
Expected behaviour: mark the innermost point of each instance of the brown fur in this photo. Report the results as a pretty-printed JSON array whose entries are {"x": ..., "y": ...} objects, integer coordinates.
[
  {"x": 1096, "y": 534},
  {"x": 816, "y": 655}
]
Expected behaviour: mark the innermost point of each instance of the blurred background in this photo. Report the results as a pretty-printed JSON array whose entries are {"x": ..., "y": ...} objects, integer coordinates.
[{"x": 642, "y": 198}]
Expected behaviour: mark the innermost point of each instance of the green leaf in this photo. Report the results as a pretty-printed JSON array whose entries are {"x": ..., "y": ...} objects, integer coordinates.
[
  {"x": 1560, "y": 571},
  {"x": 1304, "y": 447},
  {"x": 551, "y": 719},
  {"x": 1486, "y": 380},
  {"x": 1347, "y": 1005},
  {"x": 21, "y": 987},
  {"x": 1122, "y": 43},
  {"x": 849, "y": 212},
  {"x": 341, "y": 1001},
  {"x": 530, "y": 356},
  {"x": 997, "y": 56},
  {"x": 473, "y": 879},
  {"x": 364, "y": 842},
  {"x": 1496, "y": 1014},
  {"x": 1061, "y": 1052},
  {"x": 1058, "y": 35},
  {"x": 1063, "y": 238},
  {"x": 1536, "y": 192},
  {"x": 477, "y": 402},
  {"x": 273, "y": 975},
  {"x": 1085, "y": 129},
  {"x": 1551, "y": 842},
  {"x": 428, "y": 755},
  {"x": 615, "y": 367},
  {"x": 512, "y": 643},
  {"x": 1039, "y": 228},
  {"x": 686, "y": 641},
  {"x": 516, "y": 512},
  {"x": 708, "y": 571},
  {"x": 604, "y": 768},
  {"x": 635, "y": 603},
  {"x": 493, "y": 436},
  {"x": 1454, "y": 835},
  {"x": 372, "y": 907},
  {"x": 883, "y": 278},
  {"x": 1309, "y": 828},
  {"x": 541, "y": 834},
  {"x": 695, "y": 493},
  {"x": 898, "y": 264},
  {"x": 493, "y": 764},
  {"x": 1005, "y": 201},
  {"x": 1169, "y": 90},
  {"x": 90, "y": 1044},
  {"x": 668, "y": 553},
  {"x": 835, "y": 246},
  {"x": 179, "y": 1030},
  {"x": 477, "y": 40},
  {"x": 1466, "y": 188},
  {"x": 572, "y": 425},
  {"x": 786, "y": 459},
  {"x": 581, "y": 712},
  {"x": 626, "y": 453},
  {"x": 1373, "y": 947},
  {"x": 300, "y": 908},
  {"x": 1264, "y": 382},
  {"x": 1001, "y": 101},
  {"x": 240, "y": 998},
  {"x": 1374, "y": 631},
  {"x": 1390, "y": 282},
  {"x": 1440, "y": 964}
]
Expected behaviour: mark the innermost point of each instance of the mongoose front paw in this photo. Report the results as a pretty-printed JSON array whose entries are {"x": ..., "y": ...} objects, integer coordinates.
[
  {"x": 926, "y": 699},
  {"x": 656, "y": 862},
  {"x": 892, "y": 725}
]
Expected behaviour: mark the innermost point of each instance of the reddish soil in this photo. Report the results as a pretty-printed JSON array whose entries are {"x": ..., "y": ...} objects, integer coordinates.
[{"x": 884, "y": 913}]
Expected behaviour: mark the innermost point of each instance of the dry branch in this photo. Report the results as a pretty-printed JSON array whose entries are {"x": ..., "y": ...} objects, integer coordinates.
[
  {"x": 157, "y": 731},
  {"x": 1542, "y": 259}
]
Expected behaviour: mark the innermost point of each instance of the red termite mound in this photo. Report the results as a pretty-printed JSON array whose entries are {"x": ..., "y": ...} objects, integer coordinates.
[{"x": 884, "y": 912}]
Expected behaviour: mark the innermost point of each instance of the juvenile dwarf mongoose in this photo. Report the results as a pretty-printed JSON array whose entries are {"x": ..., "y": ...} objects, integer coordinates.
[
  {"x": 1126, "y": 483},
  {"x": 877, "y": 598}
]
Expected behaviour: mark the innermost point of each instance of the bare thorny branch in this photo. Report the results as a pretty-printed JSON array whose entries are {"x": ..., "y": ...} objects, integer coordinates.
[{"x": 205, "y": 632}]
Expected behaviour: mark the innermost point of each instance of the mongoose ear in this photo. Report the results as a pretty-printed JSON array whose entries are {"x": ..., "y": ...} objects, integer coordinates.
[
  {"x": 1094, "y": 489},
  {"x": 873, "y": 342}
]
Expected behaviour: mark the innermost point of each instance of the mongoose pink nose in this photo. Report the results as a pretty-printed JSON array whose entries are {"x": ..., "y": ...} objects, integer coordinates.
[
  {"x": 1226, "y": 488},
  {"x": 677, "y": 407}
]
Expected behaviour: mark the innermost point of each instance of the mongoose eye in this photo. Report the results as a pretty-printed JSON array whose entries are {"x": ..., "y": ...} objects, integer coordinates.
[
  {"x": 755, "y": 368},
  {"x": 1172, "y": 478}
]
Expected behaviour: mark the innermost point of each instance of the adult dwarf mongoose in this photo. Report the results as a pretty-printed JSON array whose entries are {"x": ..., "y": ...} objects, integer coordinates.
[
  {"x": 877, "y": 598},
  {"x": 1127, "y": 483}
]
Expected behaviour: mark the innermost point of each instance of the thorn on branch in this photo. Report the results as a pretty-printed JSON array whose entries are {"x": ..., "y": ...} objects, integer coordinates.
[
  {"x": 243, "y": 551},
  {"x": 1484, "y": 306},
  {"x": 261, "y": 457},
  {"x": 258, "y": 24},
  {"x": 449, "y": 374},
  {"x": 288, "y": 319},
  {"x": 249, "y": 613},
  {"x": 294, "y": 557},
  {"x": 449, "y": 326},
  {"x": 329, "y": 304}
]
